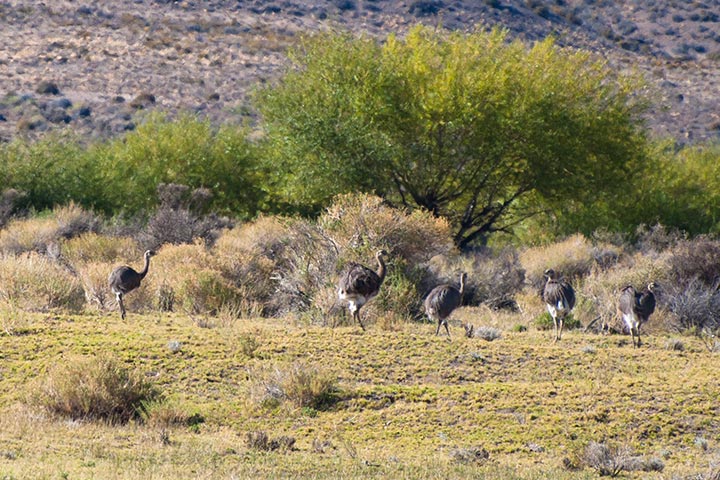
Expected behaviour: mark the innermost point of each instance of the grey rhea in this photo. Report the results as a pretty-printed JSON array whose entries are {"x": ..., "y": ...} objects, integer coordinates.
[
  {"x": 636, "y": 308},
  {"x": 359, "y": 284},
  {"x": 441, "y": 302},
  {"x": 559, "y": 297},
  {"x": 124, "y": 279}
]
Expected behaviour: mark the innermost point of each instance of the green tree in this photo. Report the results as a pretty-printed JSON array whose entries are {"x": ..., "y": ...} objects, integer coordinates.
[{"x": 471, "y": 127}]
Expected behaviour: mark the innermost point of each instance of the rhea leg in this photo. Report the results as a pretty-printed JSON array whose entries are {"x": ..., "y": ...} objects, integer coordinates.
[
  {"x": 357, "y": 315},
  {"x": 446, "y": 328},
  {"x": 122, "y": 307},
  {"x": 562, "y": 321}
]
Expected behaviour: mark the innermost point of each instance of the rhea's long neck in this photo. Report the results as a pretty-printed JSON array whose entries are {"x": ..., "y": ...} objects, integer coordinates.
[
  {"x": 144, "y": 271},
  {"x": 381, "y": 267}
]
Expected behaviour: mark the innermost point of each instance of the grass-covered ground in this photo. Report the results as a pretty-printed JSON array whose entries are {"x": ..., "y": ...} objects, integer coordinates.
[{"x": 407, "y": 404}]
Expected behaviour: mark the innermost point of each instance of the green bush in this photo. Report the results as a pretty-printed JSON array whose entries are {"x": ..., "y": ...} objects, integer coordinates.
[
  {"x": 465, "y": 126},
  {"x": 544, "y": 321}
]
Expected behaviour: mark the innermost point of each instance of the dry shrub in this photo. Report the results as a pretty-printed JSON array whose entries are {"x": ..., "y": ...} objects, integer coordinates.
[
  {"x": 247, "y": 256},
  {"x": 35, "y": 234},
  {"x": 493, "y": 279},
  {"x": 179, "y": 220},
  {"x": 259, "y": 440},
  {"x": 13, "y": 320},
  {"x": 598, "y": 299},
  {"x": 363, "y": 223},
  {"x": 612, "y": 460},
  {"x": 164, "y": 414},
  {"x": 573, "y": 258},
  {"x": 692, "y": 306},
  {"x": 20, "y": 236},
  {"x": 697, "y": 259},
  {"x": 9, "y": 201},
  {"x": 185, "y": 273},
  {"x": 73, "y": 220},
  {"x": 300, "y": 384},
  {"x": 94, "y": 279},
  {"x": 471, "y": 455},
  {"x": 92, "y": 247},
  {"x": 95, "y": 389},
  {"x": 657, "y": 238},
  {"x": 34, "y": 282},
  {"x": 606, "y": 460}
]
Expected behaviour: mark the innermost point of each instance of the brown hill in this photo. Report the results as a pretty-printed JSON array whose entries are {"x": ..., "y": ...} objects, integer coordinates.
[{"x": 96, "y": 67}]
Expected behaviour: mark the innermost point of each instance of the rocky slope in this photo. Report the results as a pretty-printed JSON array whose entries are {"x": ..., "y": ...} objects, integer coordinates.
[{"x": 98, "y": 67}]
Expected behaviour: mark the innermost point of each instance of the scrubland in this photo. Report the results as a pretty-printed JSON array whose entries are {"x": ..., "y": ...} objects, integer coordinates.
[{"x": 228, "y": 365}]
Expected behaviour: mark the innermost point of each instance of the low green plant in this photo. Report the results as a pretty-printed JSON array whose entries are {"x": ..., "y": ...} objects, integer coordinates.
[{"x": 544, "y": 321}]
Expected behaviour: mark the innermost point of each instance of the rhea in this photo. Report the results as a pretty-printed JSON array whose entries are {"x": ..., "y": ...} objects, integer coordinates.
[
  {"x": 360, "y": 284},
  {"x": 124, "y": 280},
  {"x": 559, "y": 297},
  {"x": 442, "y": 301},
  {"x": 636, "y": 308}
]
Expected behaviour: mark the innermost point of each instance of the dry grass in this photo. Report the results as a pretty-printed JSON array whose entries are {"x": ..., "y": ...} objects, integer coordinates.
[
  {"x": 34, "y": 282},
  {"x": 407, "y": 400},
  {"x": 98, "y": 388}
]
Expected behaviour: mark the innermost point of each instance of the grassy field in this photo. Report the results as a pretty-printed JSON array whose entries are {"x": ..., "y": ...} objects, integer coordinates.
[{"x": 407, "y": 405}]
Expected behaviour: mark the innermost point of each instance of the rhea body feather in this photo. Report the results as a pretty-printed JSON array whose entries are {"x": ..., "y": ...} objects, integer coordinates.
[
  {"x": 442, "y": 301},
  {"x": 360, "y": 284}
]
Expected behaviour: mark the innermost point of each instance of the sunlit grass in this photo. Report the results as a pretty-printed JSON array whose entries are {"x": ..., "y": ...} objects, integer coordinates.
[{"x": 405, "y": 400}]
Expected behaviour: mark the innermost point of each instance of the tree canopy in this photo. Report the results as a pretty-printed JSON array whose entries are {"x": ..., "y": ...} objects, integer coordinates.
[{"x": 471, "y": 127}]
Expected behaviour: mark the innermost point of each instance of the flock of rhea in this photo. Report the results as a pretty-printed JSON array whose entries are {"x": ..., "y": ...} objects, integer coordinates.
[{"x": 359, "y": 284}]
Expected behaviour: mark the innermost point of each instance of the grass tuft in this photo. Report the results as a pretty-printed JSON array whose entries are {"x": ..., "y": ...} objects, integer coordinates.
[{"x": 99, "y": 388}]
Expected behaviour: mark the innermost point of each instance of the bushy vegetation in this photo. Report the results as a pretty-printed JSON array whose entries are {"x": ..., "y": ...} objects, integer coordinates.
[
  {"x": 120, "y": 176},
  {"x": 99, "y": 388},
  {"x": 465, "y": 126},
  {"x": 495, "y": 146}
]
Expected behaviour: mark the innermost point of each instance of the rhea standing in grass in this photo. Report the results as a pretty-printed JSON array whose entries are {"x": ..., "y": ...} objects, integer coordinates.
[
  {"x": 359, "y": 284},
  {"x": 636, "y": 308},
  {"x": 441, "y": 302},
  {"x": 559, "y": 298},
  {"x": 124, "y": 280}
]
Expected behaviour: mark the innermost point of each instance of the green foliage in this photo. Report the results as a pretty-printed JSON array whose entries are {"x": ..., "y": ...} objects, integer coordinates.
[
  {"x": 470, "y": 127},
  {"x": 186, "y": 151},
  {"x": 545, "y": 322},
  {"x": 51, "y": 171},
  {"x": 122, "y": 174},
  {"x": 676, "y": 188}
]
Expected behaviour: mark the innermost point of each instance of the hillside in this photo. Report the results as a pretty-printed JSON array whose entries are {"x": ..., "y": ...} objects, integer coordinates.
[{"x": 97, "y": 67}]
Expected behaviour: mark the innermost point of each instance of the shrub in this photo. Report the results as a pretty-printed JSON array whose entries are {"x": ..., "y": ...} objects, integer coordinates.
[
  {"x": 36, "y": 234},
  {"x": 186, "y": 275},
  {"x": 164, "y": 413},
  {"x": 696, "y": 259},
  {"x": 96, "y": 248},
  {"x": 259, "y": 440},
  {"x": 472, "y": 455},
  {"x": 96, "y": 389},
  {"x": 34, "y": 282},
  {"x": 486, "y": 333},
  {"x": 572, "y": 258},
  {"x": 606, "y": 460},
  {"x": 178, "y": 219},
  {"x": 300, "y": 384},
  {"x": 693, "y": 307},
  {"x": 9, "y": 204},
  {"x": 544, "y": 321}
]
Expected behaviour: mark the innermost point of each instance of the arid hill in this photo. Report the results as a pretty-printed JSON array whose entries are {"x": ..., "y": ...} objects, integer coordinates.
[{"x": 96, "y": 67}]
